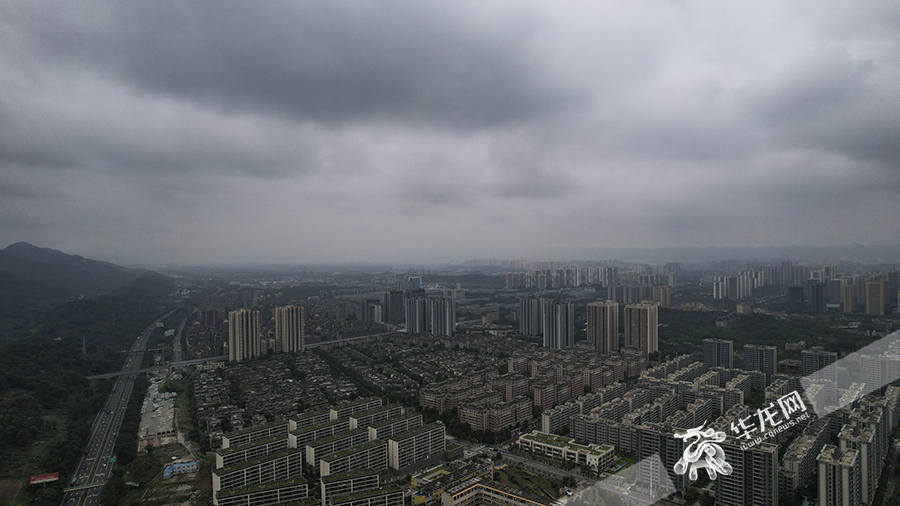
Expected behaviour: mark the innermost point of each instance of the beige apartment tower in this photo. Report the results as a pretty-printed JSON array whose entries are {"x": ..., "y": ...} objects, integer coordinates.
[
  {"x": 289, "y": 333},
  {"x": 875, "y": 297},
  {"x": 641, "y": 326},
  {"x": 603, "y": 325},
  {"x": 663, "y": 295},
  {"x": 849, "y": 298},
  {"x": 243, "y": 335}
]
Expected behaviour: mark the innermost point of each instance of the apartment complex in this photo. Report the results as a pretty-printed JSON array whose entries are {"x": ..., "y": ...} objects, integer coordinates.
[{"x": 415, "y": 445}]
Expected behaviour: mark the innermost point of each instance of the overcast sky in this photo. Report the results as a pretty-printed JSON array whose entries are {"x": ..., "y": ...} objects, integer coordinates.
[{"x": 173, "y": 131}]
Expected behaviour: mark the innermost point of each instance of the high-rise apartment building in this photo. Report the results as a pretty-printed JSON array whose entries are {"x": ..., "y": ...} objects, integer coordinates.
[
  {"x": 839, "y": 477},
  {"x": 531, "y": 316},
  {"x": 641, "y": 326},
  {"x": 441, "y": 314},
  {"x": 603, "y": 325},
  {"x": 559, "y": 324},
  {"x": 834, "y": 287},
  {"x": 415, "y": 315},
  {"x": 817, "y": 296},
  {"x": 393, "y": 310},
  {"x": 875, "y": 297},
  {"x": 663, "y": 295},
  {"x": 433, "y": 315},
  {"x": 862, "y": 439},
  {"x": 893, "y": 287},
  {"x": 243, "y": 335},
  {"x": 289, "y": 332},
  {"x": 848, "y": 299},
  {"x": 761, "y": 358},
  {"x": 754, "y": 477},
  {"x": 813, "y": 362},
  {"x": 718, "y": 353}
]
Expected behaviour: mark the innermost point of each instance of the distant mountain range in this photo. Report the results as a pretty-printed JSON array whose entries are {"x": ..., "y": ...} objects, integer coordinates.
[
  {"x": 72, "y": 274},
  {"x": 34, "y": 279}
]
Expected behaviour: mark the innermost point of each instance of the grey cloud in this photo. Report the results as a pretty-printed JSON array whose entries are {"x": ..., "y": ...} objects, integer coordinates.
[
  {"x": 326, "y": 61},
  {"x": 814, "y": 89},
  {"x": 159, "y": 128},
  {"x": 832, "y": 103}
]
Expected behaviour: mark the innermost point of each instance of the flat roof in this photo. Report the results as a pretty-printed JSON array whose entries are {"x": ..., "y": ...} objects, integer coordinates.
[
  {"x": 264, "y": 458},
  {"x": 391, "y": 489},
  {"x": 264, "y": 486},
  {"x": 257, "y": 428},
  {"x": 355, "y": 449},
  {"x": 379, "y": 409},
  {"x": 396, "y": 419},
  {"x": 312, "y": 428},
  {"x": 349, "y": 476},
  {"x": 251, "y": 444},
  {"x": 338, "y": 437},
  {"x": 415, "y": 432}
]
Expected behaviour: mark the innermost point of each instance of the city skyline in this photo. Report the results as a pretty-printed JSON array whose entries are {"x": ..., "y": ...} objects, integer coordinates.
[{"x": 408, "y": 132}]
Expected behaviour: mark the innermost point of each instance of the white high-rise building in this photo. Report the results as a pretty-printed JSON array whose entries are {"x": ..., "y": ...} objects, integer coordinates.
[
  {"x": 289, "y": 331},
  {"x": 531, "y": 316},
  {"x": 559, "y": 325},
  {"x": 441, "y": 313},
  {"x": 434, "y": 315},
  {"x": 243, "y": 335}
]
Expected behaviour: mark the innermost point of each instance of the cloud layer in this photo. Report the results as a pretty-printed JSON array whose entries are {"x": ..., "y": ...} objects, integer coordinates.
[{"x": 395, "y": 131}]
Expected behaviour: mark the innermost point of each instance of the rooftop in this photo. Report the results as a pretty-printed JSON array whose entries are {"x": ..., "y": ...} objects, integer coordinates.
[
  {"x": 263, "y": 486},
  {"x": 367, "y": 493},
  {"x": 349, "y": 476},
  {"x": 415, "y": 432},
  {"x": 355, "y": 449}
]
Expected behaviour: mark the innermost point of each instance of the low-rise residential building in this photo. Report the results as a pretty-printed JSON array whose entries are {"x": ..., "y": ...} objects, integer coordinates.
[
  {"x": 236, "y": 454},
  {"x": 371, "y": 455},
  {"x": 386, "y": 496},
  {"x": 349, "y": 409},
  {"x": 302, "y": 437},
  {"x": 415, "y": 445},
  {"x": 565, "y": 449},
  {"x": 269, "y": 493},
  {"x": 384, "y": 430},
  {"x": 379, "y": 414},
  {"x": 347, "y": 483},
  {"x": 309, "y": 419},
  {"x": 474, "y": 492},
  {"x": 334, "y": 444},
  {"x": 246, "y": 436},
  {"x": 281, "y": 466}
]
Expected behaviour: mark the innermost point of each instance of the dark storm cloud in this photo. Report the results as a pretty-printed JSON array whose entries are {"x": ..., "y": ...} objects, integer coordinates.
[
  {"x": 322, "y": 61},
  {"x": 150, "y": 130}
]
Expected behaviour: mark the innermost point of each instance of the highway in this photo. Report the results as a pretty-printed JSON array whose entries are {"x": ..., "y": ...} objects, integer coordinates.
[{"x": 94, "y": 467}]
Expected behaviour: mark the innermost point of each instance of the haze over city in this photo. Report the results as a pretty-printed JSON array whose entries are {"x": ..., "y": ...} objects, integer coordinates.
[{"x": 407, "y": 131}]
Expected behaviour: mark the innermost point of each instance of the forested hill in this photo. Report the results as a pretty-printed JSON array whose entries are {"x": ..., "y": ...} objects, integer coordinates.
[
  {"x": 73, "y": 274},
  {"x": 34, "y": 280},
  {"x": 46, "y": 402}
]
